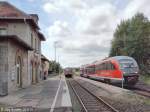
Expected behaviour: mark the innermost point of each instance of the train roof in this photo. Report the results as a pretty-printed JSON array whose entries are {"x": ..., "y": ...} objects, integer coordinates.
[
  {"x": 121, "y": 57},
  {"x": 87, "y": 65},
  {"x": 117, "y": 58}
]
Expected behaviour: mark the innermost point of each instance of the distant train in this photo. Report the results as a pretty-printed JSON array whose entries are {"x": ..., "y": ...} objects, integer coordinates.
[
  {"x": 68, "y": 72},
  {"x": 114, "y": 69}
]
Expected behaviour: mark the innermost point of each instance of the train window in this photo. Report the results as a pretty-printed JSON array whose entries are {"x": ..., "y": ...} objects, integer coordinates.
[
  {"x": 112, "y": 67},
  {"x": 103, "y": 66},
  {"x": 100, "y": 66},
  {"x": 108, "y": 66}
]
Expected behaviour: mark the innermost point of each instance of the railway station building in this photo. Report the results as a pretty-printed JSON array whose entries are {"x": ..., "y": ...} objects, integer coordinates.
[
  {"x": 45, "y": 66},
  {"x": 20, "y": 49}
]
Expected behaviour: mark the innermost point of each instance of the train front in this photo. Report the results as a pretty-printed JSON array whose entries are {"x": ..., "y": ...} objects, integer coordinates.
[{"x": 130, "y": 70}]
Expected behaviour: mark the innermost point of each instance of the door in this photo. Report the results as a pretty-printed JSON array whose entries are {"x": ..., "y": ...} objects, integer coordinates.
[
  {"x": 19, "y": 72},
  {"x": 33, "y": 74}
]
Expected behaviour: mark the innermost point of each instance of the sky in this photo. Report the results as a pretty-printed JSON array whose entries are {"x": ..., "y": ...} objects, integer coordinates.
[{"x": 81, "y": 30}]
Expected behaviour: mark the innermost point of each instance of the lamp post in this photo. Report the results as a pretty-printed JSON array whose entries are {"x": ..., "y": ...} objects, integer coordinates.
[
  {"x": 122, "y": 81},
  {"x": 59, "y": 67},
  {"x": 55, "y": 45}
]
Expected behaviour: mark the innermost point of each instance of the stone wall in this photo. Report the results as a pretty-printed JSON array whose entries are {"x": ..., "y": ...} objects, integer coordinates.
[
  {"x": 34, "y": 64},
  {"x": 13, "y": 52},
  {"x": 3, "y": 67},
  {"x": 26, "y": 33},
  {"x": 9, "y": 50},
  {"x": 3, "y": 61}
]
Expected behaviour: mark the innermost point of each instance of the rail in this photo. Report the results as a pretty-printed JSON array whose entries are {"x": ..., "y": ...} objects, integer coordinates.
[{"x": 88, "y": 100}]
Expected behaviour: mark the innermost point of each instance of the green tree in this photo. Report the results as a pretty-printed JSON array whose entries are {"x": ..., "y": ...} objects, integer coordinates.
[
  {"x": 132, "y": 38},
  {"x": 55, "y": 67}
]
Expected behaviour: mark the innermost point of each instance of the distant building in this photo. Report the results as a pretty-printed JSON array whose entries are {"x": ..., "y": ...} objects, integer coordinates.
[
  {"x": 44, "y": 66},
  {"x": 20, "y": 48}
]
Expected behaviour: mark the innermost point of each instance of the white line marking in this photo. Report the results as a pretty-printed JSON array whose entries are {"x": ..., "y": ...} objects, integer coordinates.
[
  {"x": 66, "y": 96},
  {"x": 54, "y": 101}
]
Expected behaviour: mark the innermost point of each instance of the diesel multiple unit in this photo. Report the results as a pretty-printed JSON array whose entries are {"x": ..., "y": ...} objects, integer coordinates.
[{"x": 114, "y": 69}]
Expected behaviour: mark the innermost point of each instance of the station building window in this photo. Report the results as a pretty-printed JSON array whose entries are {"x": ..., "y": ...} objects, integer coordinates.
[{"x": 3, "y": 31}]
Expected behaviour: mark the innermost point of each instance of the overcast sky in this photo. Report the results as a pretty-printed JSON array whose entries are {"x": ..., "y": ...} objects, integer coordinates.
[{"x": 82, "y": 29}]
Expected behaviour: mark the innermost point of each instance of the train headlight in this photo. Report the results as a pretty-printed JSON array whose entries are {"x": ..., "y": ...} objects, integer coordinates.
[{"x": 124, "y": 72}]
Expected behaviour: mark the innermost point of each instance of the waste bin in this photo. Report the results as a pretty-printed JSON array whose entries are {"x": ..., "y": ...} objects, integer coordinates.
[{"x": 3, "y": 88}]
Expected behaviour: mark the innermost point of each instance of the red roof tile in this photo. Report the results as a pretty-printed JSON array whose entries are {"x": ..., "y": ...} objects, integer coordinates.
[{"x": 8, "y": 10}]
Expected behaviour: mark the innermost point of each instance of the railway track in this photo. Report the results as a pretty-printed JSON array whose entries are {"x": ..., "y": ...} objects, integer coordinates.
[
  {"x": 143, "y": 93},
  {"x": 138, "y": 89},
  {"x": 142, "y": 89},
  {"x": 88, "y": 100}
]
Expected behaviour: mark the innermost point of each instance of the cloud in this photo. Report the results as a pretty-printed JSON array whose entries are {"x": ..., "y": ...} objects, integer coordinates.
[
  {"x": 84, "y": 29},
  {"x": 98, "y": 19},
  {"x": 59, "y": 29},
  {"x": 86, "y": 50},
  {"x": 60, "y": 5},
  {"x": 135, "y": 6},
  {"x": 89, "y": 37},
  {"x": 50, "y": 8}
]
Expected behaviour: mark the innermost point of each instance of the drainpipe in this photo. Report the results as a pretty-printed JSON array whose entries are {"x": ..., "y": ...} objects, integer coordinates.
[{"x": 25, "y": 20}]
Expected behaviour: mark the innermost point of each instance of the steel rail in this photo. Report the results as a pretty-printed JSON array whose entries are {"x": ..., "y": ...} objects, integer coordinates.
[
  {"x": 142, "y": 93},
  {"x": 78, "y": 97},
  {"x": 115, "y": 110},
  {"x": 98, "y": 98}
]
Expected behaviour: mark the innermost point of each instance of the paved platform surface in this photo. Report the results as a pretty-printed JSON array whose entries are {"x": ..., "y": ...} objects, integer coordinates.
[{"x": 50, "y": 95}]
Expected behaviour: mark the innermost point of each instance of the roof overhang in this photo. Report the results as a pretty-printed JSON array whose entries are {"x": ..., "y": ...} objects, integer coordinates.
[
  {"x": 41, "y": 36},
  {"x": 20, "y": 19},
  {"x": 44, "y": 58},
  {"x": 16, "y": 39}
]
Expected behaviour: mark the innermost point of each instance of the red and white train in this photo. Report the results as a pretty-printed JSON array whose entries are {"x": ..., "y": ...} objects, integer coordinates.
[
  {"x": 114, "y": 69},
  {"x": 68, "y": 72}
]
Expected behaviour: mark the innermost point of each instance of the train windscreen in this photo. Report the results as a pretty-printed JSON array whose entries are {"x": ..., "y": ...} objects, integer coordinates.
[{"x": 128, "y": 66}]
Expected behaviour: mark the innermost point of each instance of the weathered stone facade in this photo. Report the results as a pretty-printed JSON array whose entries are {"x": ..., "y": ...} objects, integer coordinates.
[
  {"x": 20, "y": 49},
  {"x": 16, "y": 52},
  {"x": 45, "y": 66}
]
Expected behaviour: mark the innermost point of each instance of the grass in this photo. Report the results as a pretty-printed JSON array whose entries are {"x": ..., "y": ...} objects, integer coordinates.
[{"x": 145, "y": 78}]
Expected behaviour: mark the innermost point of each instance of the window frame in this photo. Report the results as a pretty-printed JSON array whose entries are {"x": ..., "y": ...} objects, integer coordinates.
[{"x": 3, "y": 29}]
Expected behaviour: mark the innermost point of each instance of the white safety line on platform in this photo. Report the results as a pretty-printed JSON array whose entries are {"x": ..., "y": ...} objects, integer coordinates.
[
  {"x": 66, "y": 101},
  {"x": 55, "y": 99}
]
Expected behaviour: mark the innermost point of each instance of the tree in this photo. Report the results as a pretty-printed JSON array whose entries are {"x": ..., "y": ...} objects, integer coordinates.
[
  {"x": 132, "y": 38},
  {"x": 55, "y": 67}
]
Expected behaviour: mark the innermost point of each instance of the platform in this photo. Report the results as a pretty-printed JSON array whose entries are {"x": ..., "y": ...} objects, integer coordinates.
[{"x": 51, "y": 95}]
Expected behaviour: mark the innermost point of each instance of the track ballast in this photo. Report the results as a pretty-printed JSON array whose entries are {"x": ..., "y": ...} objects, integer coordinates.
[{"x": 88, "y": 100}]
